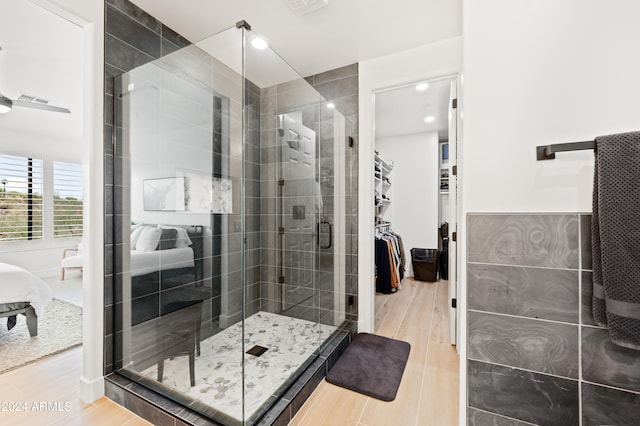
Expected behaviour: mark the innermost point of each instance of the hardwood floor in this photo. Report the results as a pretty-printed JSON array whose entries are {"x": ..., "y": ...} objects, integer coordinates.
[
  {"x": 428, "y": 393},
  {"x": 47, "y": 392}
]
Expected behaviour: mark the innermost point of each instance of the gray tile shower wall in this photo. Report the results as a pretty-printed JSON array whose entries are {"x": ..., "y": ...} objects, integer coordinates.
[
  {"x": 535, "y": 355},
  {"x": 340, "y": 87}
]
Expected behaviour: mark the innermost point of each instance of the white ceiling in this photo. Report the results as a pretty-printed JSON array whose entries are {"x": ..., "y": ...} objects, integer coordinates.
[
  {"x": 41, "y": 53},
  {"x": 344, "y": 32},
  {"x": 402, "y": 111},
  {"x": 41, "y": 56}
]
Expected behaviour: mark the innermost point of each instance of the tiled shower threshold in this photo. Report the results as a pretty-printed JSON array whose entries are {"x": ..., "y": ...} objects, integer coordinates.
[{"x": 161, "y": 410}]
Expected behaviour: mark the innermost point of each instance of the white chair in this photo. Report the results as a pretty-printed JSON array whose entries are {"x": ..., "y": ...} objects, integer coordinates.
[{"x": 71, "y": 261}]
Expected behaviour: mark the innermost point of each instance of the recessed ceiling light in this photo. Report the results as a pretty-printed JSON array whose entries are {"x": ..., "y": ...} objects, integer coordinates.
[
  {"x": 422, "y": 87},
  {"x": 429, "y": 119},
  {"x": 331, "y": 105},
  {"x": 259, "y": 42}
]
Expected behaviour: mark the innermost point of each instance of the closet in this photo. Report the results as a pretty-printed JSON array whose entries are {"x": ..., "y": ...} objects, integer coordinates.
[
  {"x": 415, "y": 144},
  {"x": 389, "y": 251},
  {"x": 411, "y": 174},
  {"x": 382, "y": 196}
]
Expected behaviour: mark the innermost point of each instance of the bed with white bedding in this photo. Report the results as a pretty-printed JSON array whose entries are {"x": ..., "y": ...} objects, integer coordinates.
[
  {"x": 165, "y": 265},
  {"x": 146, "y": 262},
  {"x": 22, "y": 292}
]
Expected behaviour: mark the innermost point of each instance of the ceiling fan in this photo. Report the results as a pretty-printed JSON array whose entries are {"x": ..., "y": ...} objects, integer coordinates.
[{"x": 27, "y": 101}]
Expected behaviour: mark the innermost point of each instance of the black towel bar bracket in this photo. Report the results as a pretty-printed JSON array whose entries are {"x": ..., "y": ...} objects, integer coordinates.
[{"x": 548, "y": 152}]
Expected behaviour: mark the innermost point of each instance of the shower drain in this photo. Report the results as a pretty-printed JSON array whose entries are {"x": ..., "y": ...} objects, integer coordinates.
[{"x": 257, "y": 350}]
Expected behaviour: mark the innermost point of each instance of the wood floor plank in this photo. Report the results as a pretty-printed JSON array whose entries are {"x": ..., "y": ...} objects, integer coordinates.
[
  {"x": 420, "y": 309},
  {"x": 440, "y": 332},
  {"x": 394, "y": 311},
  {"x": 397, "y": 412},
  {"x": 440, "y": 390},
  {"x": 309, "y": 403},
  {"x": 106, "y": 415},
  {"x": 417, "y": 338},
  {"x": 335, "y": 406}
]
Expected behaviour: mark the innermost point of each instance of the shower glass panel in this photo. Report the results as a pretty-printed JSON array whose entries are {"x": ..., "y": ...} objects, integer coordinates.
[
  {"x": 229, "y": 205},
  {"x": 301, "y": 221}
]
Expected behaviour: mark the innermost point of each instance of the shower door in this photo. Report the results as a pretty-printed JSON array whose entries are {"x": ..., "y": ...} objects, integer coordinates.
[{"x": 298, "y": 209}]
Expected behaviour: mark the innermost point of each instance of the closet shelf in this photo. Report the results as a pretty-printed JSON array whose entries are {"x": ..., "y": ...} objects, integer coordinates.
[
  {"x": 385, "y": 164},
  {"x": 382, "y": 177}
]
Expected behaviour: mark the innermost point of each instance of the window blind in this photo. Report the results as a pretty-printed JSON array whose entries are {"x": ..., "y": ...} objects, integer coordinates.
[
  {"x": 67, "y": 199},
  {"x": 20, "y": 198}
]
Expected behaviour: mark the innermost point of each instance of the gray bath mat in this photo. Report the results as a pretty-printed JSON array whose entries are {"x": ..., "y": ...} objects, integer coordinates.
[{"x": 371, "y": 365}]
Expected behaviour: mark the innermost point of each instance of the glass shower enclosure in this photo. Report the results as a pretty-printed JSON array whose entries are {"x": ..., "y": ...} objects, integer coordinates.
[{"x": 231, "y": 204}]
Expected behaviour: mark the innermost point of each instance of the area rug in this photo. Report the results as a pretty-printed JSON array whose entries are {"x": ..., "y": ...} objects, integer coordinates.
[
  {"x": 371, "y": 365},
  {"x": 60, "y": 328}
]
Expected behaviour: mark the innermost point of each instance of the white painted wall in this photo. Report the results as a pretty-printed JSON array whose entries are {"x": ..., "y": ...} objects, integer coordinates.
[
  {"x": 426, "y": 62},
  {"x": 415, "y": 188},
  {"x": 544, "y": 72},
  {"x": 90, "y": 16},
  {"x": 538, "y": 73}
]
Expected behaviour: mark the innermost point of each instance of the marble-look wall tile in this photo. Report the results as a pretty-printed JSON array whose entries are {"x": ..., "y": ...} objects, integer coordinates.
[
  {"x": 543, "y": 346},
  {"x": 526, "y": 240},
  {"x": 523, "y": 291},
  {"x": 606, "y": 406},
  {"x": 503, "y": 240},
  {"x": 482, "y": 418},
  {"x": 609, "y": 364},
  {"x": 585, "y": 241},
  {"x": 587, "y": 299},
  {"x": 530, "y": 397}
]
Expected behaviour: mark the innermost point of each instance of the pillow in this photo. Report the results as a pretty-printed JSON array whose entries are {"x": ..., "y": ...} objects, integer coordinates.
[
  {"x": 148, "y": 239},
  {"x": 182, "y": 238},
  {"x": 135, "y": 234},
  {"x": 167, "y": 239}
]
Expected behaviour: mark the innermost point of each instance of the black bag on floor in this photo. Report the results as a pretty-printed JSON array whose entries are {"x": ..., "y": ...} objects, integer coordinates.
[{"x": 425, "y": 264}]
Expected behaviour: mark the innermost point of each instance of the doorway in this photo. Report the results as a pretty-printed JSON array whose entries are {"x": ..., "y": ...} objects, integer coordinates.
[{"x": 414, "y": 178}]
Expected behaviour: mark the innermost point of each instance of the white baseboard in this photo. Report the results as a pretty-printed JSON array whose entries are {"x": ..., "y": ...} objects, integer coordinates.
[
  {"x": 91, "y": 390},
  {"x": 362, "y": 327}
]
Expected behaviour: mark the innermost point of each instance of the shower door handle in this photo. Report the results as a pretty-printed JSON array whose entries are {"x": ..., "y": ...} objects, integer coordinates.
[{"x": 325, "y": 228}]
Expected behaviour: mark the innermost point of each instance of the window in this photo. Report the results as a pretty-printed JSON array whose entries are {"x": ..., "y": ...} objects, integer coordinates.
[
  {"x": 67, "y": 199},
  {"x": 39, "y": 199},
  {"x": 21, "y": 198}
]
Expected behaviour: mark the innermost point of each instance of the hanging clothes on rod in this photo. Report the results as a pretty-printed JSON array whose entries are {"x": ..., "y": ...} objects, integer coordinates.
[{"x": 390, "y": 260}]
